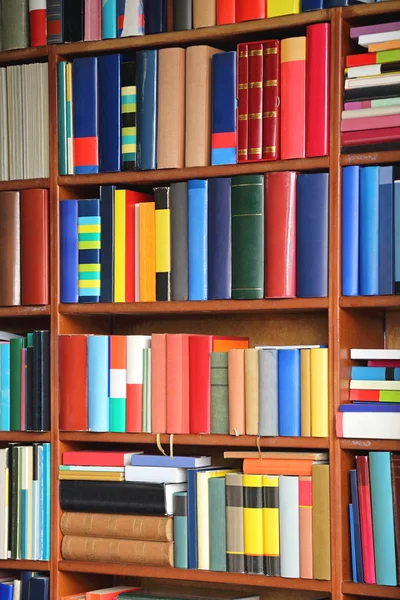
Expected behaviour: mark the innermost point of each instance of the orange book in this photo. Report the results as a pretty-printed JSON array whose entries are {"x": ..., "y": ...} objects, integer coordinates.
[
  {"x": 305, "y": 520},
  {"x": 380, "y": 46},
  {"x": 159, "y": 382},
  {"x": 221, "y": 343},
  {"x": 147, "y": 252},
  {"x": 178, "y": 383},
  {"x": 109, "y": 593},
  {"x": 276, "y": 466},
  {"x": 75, "y": 597},
  {"x": 236, "y": 387}
]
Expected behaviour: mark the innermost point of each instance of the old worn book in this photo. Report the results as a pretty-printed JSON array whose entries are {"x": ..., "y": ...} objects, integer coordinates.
[
  {"x": 10, "y": 279},
  {"x": 133, "y": 527},
  {"x": 15, "y": 24},
  {"x": 204, "y": 13},
  {"x": 321, "y": 522},
  {"x": 219, "y": 392}
]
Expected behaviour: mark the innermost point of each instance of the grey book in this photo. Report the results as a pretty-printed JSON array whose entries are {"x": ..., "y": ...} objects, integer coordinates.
[
  {"x": 183, "y": 15},
  {"x": 15, "y": 24},
  {"x": 179, "y": 241},
  {"x": 268, "y": 392},
  {"x": 219, "y": 393}
]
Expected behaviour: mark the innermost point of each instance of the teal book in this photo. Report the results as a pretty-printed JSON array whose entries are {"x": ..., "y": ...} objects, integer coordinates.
[
  {"x": 5, "y": 387},
  {"x": 180, "y": 530},
  {"x": 62, "y": 117},
  {"x": 109, "y": 19},
  {"x": 383, "y": 518},
  {"x": 217, "y": 523}
]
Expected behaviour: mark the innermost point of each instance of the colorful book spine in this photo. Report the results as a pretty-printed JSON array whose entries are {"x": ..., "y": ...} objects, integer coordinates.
[
  {"x": 180, "y": 530},
  {"x": 70, "y": 120},
  {"x": 223, "y": 136},
  {"x": 128, "y": 114},
  {"x": 364, "y": 496},
  {"x": 226, "y": 12},
  {"x": 319, "y": 392},
  {"x": 118, "y": 383},
  {"x": 119, "y": 245},
  {"x": 5, "y": 387},
  {"x": 130, "y": 18},
  {"x": 147, "y": 252},
  {"x": 293, "y": 98},
  {"x": 235, "y": 558},
  {"x": 163, "y": 243},
  {"x": 38, "y": 22},
  {"x": 155, "y": 16},
  {"x": 89, "y": 244},
  {"x": 198, "y": 239},
  {"x": 318, "y": 88},
  {"x": 278, "y": 8},
  {"x": 397, "y": 231},
  {"x": 55, "y": 11},
  {"x": 271, "y": 525},
  {"x": 350, "y": 230},
  {"x": 369, "y": 231},
  {"x": 86, "y": 153},
  {"x": 243, "y": 102},
  {"x": 255, "y": 101},
  {"x": 253, "y": 523},
  {"x": 135, "y": 380},
  {"x": 305, "y": 392},
  {"x": 147, "y": 78},
  {"x": 69, "y": 251},
  {"x": 249, "y": 11},
  {"x": 289, "y": 392},
  {"x": 109, "y": 19},
  {"x": 271, "y": 104},
  {"x": 62, "y": 118},
  {"x": 386, "y": 231},
  {"x": 109, "y": 79},
  {"x": 98, "y": 361}
]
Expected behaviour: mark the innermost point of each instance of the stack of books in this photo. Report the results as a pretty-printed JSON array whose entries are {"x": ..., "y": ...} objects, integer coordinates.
[
  {"x": 180, "y": 383},
  {"x": 194, "y": 241},
  {"x": 174, "y": 593},
  {"x": 26, "y": 585},
  {"x": 374, "y": 518},
  {"x": 371, "y": 116},
  {"x": 25, "y": 502},
  {"x": 374, "y": 395},
  {"x": 24, "y": 121}
]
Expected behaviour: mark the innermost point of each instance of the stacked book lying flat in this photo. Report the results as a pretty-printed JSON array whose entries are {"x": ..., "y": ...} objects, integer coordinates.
[
  {"x": 26, "y": 585},
  {"x": 167, "y": 593},
  {"x": 374, "y": 395}
]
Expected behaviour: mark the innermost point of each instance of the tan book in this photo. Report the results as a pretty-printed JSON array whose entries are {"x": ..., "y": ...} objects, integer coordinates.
[
  {"x": 236, "y": 391},
  {"x": 252, "y": 390},
  {"x": 198, "y": 106},
  {"x": 321, "y": 522},
  {"x": 316, "y": 456},
  {"x": 204, "y": 13},
  {"x": 90, "y": 476},
  {"x": 155, "y": 529},
  {"x": 10, "y": 264},
  {"x": 137, "y": 552},
  {"x": 171, "y": 108}
]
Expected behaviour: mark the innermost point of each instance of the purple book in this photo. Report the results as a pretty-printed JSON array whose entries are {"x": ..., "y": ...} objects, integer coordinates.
[
  {"x": 355, "y": 32},
  {"x": 184, "y": 462},
  {"x": 353, "y": 105}
]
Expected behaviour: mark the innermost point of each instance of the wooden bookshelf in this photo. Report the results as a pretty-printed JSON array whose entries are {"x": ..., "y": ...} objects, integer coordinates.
[
  {"x": 25, "y": 565},
  {"x": 26, "y": 437},
  {"x": 22, "y": 55},
  {"x": 385, "y": 302},
  {"x": 24, "y": 311},
  {"x": 371, "y": 591},
  {"x": 24, "y": 184},
  {"x": 368, "y": 445}
]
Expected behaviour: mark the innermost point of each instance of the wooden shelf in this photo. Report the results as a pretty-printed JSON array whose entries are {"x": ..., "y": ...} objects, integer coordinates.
[
  {"x": 367, "y": 445},
  {"x": 370, "y": 158},
  {"x": 24, "y": 311},
  {"x": 169, "y": 175},
  {"x": 380, "y": 8},
  {"x": 385, "y": 302},
  {"x": 25, "y": 436},
  {"x": 373, "y": 591},
  {"x": 23, "y": 184},
  {"x": 25, "y": 565},
  {"x": 23, "y": 55},
  {"x": 194, "y": 575}
]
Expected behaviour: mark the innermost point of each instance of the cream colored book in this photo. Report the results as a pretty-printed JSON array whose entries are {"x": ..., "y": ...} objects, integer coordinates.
[{"x": 356, "y": 384}]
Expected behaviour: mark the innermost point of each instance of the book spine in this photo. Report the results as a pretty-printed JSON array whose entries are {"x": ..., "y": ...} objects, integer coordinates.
[
  {"x": 396, "y": 232},
  {"x": 62, "y": 118},
  {"x": 236, "y": 390},
  {"x": 128, "y": 115},
  {"x": 235, "y": 558},
  {"x": 243, "y": 102},
  {"x": 130, "y": 18},
  {"x": 109, "y": 80},
  {"x": 305, "y": 392},
  {"x": 55, "y": 28},
  {"x": 163, "y": 243},
  {"x": 73, "y": 389},
  {"x": 73, "y": 21},
  {"x": 352, "y": 544},
  {"x": 312, "y": 5},
  {"x": 321, "y": 522},
  {"x": 16, "y": 346},
  {"x": 70, "y": 120},
  {"x": 226, "y": 12},
  {"x": 350, "y": 230},
  {"x": 155, "y": 554},
  {"x": 364, "y": 496},
  {"x": 249, "y": 11},
  {"x": 178, "y": 383},
  {"x": 157, "y": 529},
  {"x": 109, "y": 19},
  {"x": 93, "y": 9},
  {"x": 219, "y": 239},
  {"x": 369, "y": 231},
  {"x": 289, "y": 392},
  {"x": 179, "y": 242},
  {"x": 155, "y": 16},
  {"x": 293, "y": 97},
  {"x": 38, "y": 22},
  {"x": 180, "y": 530},
  {"x": 219, "y": 393},
  {"x": 107, "y": 243},
  {"x": 117, "y": 383},
  {"x": 386, "y": 231},
  {"x": 319, "y": 392},
  {"x": 223, "y": 136},
  {"x": 278, "y": 8},
  {"x": 268, "y": 392},
  {"x": 98, "y": 361},
  {"x": 69, "y": 250},
  {"x": 289, "y": 526},
  {"x": 147, "y": 251},
  {"x": 86, "y": 153},
  {"x": 5, "y": 387},
  {"x": 217, "y": 524},
  {"x": 119, "y": 245},
  {"x": 253, "y": 524},
  {"x": 198, "y": 239},
  {"x": 305, "y": 527},
  {"x": 135, "y": 381},
  {"x": 159, "y": 382},
  {"x": 89, "y": 244},
  {"x": 182, "y": 15},
  {"x": 255, "y": 101},
  {"x": 251, "y": 391},
  {"x": 318, "y": 74},
  {"x": 271, "y": 104},
  {"x": 147, "y": 78},
  {"x": 271, "y": 525}
]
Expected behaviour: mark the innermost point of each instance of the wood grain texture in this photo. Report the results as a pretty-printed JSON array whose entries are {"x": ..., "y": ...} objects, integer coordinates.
[{"x": 371, "y": 591}]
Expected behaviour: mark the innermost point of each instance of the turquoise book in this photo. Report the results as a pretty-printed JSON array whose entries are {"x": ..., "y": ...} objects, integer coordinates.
[
  {"x": 109, "y": 19},
  {"x": 217, "y": 523},
  {"x": 89, "y": 245},
  {"x": 180, "y": 530},
  {"x": 5, "y": 387},
  {"x": 62, "y": 117},
  {"x": 99, "y": 405}
]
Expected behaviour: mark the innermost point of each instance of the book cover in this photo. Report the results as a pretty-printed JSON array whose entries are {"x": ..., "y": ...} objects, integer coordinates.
[
  {"x": 85, "y": 108},
  {"x": 319, "y": 392},
  {"x": 70, "y": 120},
  {"x": 357, "y": 525},
  {"x": 235, "y": 558},
  {"x": 117, "y": 382},
  {"x": 252, "y": 391},
  {"x": 217, "y": 523},
  {"x": 107, "y": 243},
  {"x": 93, "y": 10},
  {"x": 109, "y": 19},
  {"x": 178, "y": 383},
  {"x": 98, "y": 400},
  {"x": 318, "y": 88},
  {"x": 159, "y": 382},
  {"x": 271, "y": 103},
  {"x": 73, "y": 390},
  {"x": 255, "y": 122},
  {"x": 321, "y": 525},
  {"x": 253, "y": 523},
  {"x": 38, "y": 22},
  {"x": 10, "y": 267},
  {"x": 248, "y": 11},
  {"x": 236, "y": 391},
  {"x": 137, "y": 263},
  {"x": 5, "y": 387},
  {"x": 289, "y": 526},
  {"x": 15, "y": 25},
  {"x": 305, "y": 527},
  {"x": 386, "y": 231},
  {"x": 109, "y": 81},
  {"x": 136, "y": 344},
  {"x": 120, "y": 227},
  {"x": 179, "y": 241},
  {"x": 396, "y": 499},
  {"x": 268, "y": 392},
  {"x": 271, "y": 525},
  {"x": 198, "y": 239},
  {"x": 128, "y": 114},
  {"x": 364, "y": 497},
  {"x": 278, "y": 8},
  {"x": 89, "y": 245},
  {"x": 305, "y": 391},
  {"x": 155, "y": 16},
  {"x": 243, "y": 102},
  {"x": 147, "y": 78},
  {"x": 289, "y": 392},
  {"x": 157, "y": 554},
  {"x": 219, "y": 239},
  {"x": 180, "y": 530},
  {"x": 369, "y": 231},
  {"x": 68, "y": 250},
  {"x": 130, "y": 18},
  {"x": 74, "y": 21},
  {"x": 223, "y": 137},
  {"x": 204, "y": 13},
  {"x": 350, "y": 230},
  {"x": 293, "y": 97},
  {"x": 226, "y": 12},
  {"x": 55, "y": 28},
  {"x": 219, "y": 393}
]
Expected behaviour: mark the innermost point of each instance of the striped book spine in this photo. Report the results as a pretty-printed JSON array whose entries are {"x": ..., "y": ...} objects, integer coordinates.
[
  {"x": 253, "y": 524},
  {"x": 130, "y": 18},
  {"x": 89, "y": 244},
  {"x": 128, "y": 118},
  {"x": 163, "y": 243},
  {"x": 118, "y": 383},
  {"x": 234, "y": 523},
  {"x": 271, "y": 525},
  {"x": 70, "y": 137},
  {"x": 55, "y": 11}
]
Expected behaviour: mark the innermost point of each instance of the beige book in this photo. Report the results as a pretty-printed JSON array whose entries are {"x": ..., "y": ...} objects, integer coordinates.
[
  {"x": 198, "y": 106},
  {"x": 204, "y": 13},
  {"x": 321, "y": 522},
  {"x": 252, "y": 391},
  {"x": 133, "y": 527},
  {"x": 171, "y": 108}
]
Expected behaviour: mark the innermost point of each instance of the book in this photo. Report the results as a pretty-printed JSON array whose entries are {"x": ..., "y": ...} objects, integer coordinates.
[
  {"x": 180, "y": 533},
  {"x": 277, "y": 8},
  {"x": 15, "y": 25},
  {"x": 350, "y": 231},
  {"x": 130, "y": 18},
  {"x": 74, "y": 21},
  {"x": 289, "y": 392},
  {"x": 223, "y": 137},
  {"x": 293, "y": 97},
  {"x": 109, "y": 81},
  {"x": 243, "y": 102},
  {"x": 198, "y": 239},
  {"x": 321, "y": 522},
  {"x": 120, "y": 255},
  {"x": 357, "y": 525},
  {"x": 268, "y": 392},
  {"x": 386, "y": 234},
  {"x": 253, "y": 523},
  {"x": 317, "y": 94},
  {"x": 108, "y": 593},
  {"x": 226, "y": 12},
  {"x": 147, "y": 82},
  {"x": 73, "y": 390},
  {"x": 368, "y": 425},
  {"x": 155, "y": 16},
  {"x": 163, "y": 243},
  {"x": 236, "y": 392},
  {"x": 128, "y": 114},
  {"x": 219, "y": 239},
  {"x": 289, "y": 526},
  {"x": 246, "y": 11},
  {"x": 147, "y": 251},
  {"x": 62, "y": 117},
  {"x": 159, "y": 382},
  {"x": 178, "y": 420},
  {"x": 86, "y": 156},
  {"x": 305, "y": 392},
  {"x": 87, "y": 458},
  {"x": 98, "y": 400},
  {"x": 255, "y": 86},
  {"x": 107, "y": 243},
  {"x": 306, "y": 527},
  {"x": 235, "y": 558},
  {"x": 155, "y": 474},
  {"x": 55, "y": 28},
  {"x": 92, "y": 19},
  {"x": 182, "y": 14},
  {"x": 364, "y": 496},
  {"x": 319, "y": 392},
  {"x": 375, "y": 354},
  {"x": 118, "y": 383},
  {"x": 179, "y": 242},
  {"x": 252, "y": 390},
  {"x": 271, "y": 525},
  {"x": 89, "y": 245},
  {"x": 271, "y": 95},
  {"x": 38, "y": 22},
  {"x": 394, "y": 461},
  {"x": 217, "y": 523},
  {"x": 68, "y": 250},
  {"x": 374, "y": 385},
  {"x": 10, "y": 267},
  {"x": 183, "y": 462},
  {"x": 369, "y": 231},
  {"x": 219, "y": 393}
]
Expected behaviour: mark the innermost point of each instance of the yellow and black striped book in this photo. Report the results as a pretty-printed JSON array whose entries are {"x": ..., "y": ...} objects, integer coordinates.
[
  {"x": 253, "y": 524},
  {"x": 235, "y": 561}
]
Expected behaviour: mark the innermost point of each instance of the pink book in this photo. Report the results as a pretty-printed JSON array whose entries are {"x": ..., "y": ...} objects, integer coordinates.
[
  {"x": 383, "y": 122},
  {"x": 357, "y": 105},
  {"x": 305, "y": 523},
  {"x": 159, "y": 383},
  {"x": 384, "y": 363},
  {"x": 355, "y": 32},
  {"x": 367, "y": 536},
  {"x": 92, "y": 20}
]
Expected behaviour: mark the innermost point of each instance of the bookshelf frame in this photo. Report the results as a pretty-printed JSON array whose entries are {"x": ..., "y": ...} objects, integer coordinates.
[{"x": 342, "y": 321}]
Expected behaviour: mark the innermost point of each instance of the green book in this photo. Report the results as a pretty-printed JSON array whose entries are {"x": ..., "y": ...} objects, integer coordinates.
[
  {"x": 387, "y": 56},
  {"x": 180, "y": 530},
  {"x": 62, "y": 118},
  {"x": 385, "y": 102},
  {"x": 219, "y": 393},
  {"x": 16, "y": 345},
  {"x": 118, "y": 415},
  {"x": 216, "y": 503},
  {"x": 247, "y": 237}
]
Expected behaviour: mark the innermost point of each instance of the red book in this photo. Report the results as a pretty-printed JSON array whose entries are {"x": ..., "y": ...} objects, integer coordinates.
[
  {"x": 255, "y": 101},
  {"x": 131, "y": 200},
  {"x": 92, "y": 458},
  {"x": 38, "y": 22},
  {"x": 73, "y": 378},
  {"x": 318, "y": 80},
  {"x": 159, "y": 382},
  {"x": 380, "y": 122},
  {"x": 178, "y": 383},
  {"x": 226, "y": 12},
  {"x": 34, "y": 247},
  {"x": 367, "y": 537},
  {"x": 271, "y": 100},
  {"x": 243, "y": 102},
  {"x": 280, "y": 235},
  {"x": 249, "y": 10},
  {"x": 293, "y": 98},
  {"x": 370, "y": 136},
  {"x": 361, "y": 60},
  {"x": 384, "y": 363},
  {"x": 364, "y": 395}
]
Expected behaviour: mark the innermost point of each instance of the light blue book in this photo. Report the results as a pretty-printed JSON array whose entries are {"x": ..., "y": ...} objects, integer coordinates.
[
  {"x": 5, "y": 387},
  {"x": 99, "y": 403},
  {"x": 375, "y": 374},
  {"x": 198, "y": 239},
  {"x": 41, "y": 503},
  {"x": 109, "y": 19},
  {"x": 369, "y": 231},
  {"x": 47, "y": 496}
]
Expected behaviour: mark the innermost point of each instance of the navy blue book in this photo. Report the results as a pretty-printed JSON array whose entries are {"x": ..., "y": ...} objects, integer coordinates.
[
  {"x": 350, "y": 230},
  {"x": 312, "y": 5},
  {"x": 107, "y": 243},
  {"x": 289, "y": 392},
  {"x": 39, "y": 588},
  {"x": 352, "y": 545},
  {"x": 364, "y": 407},
  {"x": 198, "y": 238},
  {"x": 386, "y": 231},
  {"x": 85, "y": 115},
  {"x": 109, "y": 112},
  {"x": 357, "y": 524},
  {"x": 69, "y": 251},
  {"x": 312, "y": 235},
  {"x": 369, "y": 231},
  {"x": 155, "y": 16},
  {"x": 219, "y": 239},
  {"x": 89, "y": 243},
  {"x": 147, "y": 77},
  {"x": 192, "y": 516},
  {"x": 397, "y": 230},
  {"x": 223, "y": 136},
  {"x": 335, "y": 3},
  {"x": 25, "y": 577}
]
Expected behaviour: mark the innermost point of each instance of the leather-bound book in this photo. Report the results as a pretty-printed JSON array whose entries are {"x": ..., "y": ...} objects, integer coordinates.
[
  {"x": 183, "y": 14},
  {"x": 243, "y": 102},
  {"x": 14, "y": 26},
  {"x": 34, "y": 247},
  {"x": 133, "y": 527},
  {"x": 204, "y": 13},
  {"x": 271, "y": 100},
  {"x": 255, "y": 101},
  {"x": 10, "y": 283},
  {"x": 73, "y": 22}
]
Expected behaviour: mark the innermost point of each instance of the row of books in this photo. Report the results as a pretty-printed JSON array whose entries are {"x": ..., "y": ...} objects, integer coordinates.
[
  {"x": 371, "y": 116},
  {"x": 24, "y": 121},
  {"x": 25, "y": 502},
  {"x": 373, "y": 410},
  {"x": 25, "y": 382},
  {"x": 26, "y": 585},
  {"x": 374, "y": 518},
  {"x": 24, "y": 245},
  {"x": 174, "y": 593},
  {"x": 179, "y": 383},
  {"x": 195, "y": 241}
]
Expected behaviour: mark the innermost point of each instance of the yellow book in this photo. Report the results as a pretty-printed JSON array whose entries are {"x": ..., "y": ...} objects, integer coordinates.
[
  {"x": 253, "y": 523},
  {"x": 163, "y": 243},
  {"x": 319, "y": 391},
  {"x": 271, "y": 525},
  {"x": 305, "y": 392},
  {"x": 90, "y": 476},
  {"x": 147, "y": 252},
  {"x": 119, "y": 245},
  {"x": 277, "y": 8}
]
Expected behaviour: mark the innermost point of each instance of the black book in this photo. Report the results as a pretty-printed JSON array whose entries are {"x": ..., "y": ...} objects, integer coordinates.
[
  {"x": 29, "y": 388},
  {"x": 183, "y": 15},
  {"x": 155, "y": 16},
  {"x": 360, "y": 149},
  {"x": 14, "y": 503},
  {"x": 45, "y": 381},
  {"x": 73, "y": 21},
  {"x": 372, "y": 93}
]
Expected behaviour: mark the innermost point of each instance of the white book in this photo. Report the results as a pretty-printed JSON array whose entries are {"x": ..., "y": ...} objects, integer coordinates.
[
  {"x": 135, "y": 344},
  {"x": 169, "y": 490},
  {"x": 289, "y": 526},
  {"x": 117, "y": 383},
  {"x": 356, "y": 384},
  {"x": 361, "y": 82},
  {"x": 374, "y": 354},
  {"x": 4, "y": 483},
  {"x": 375, "y": 426},
  {"x": 377, "y": 38},
  {"x": 370, "y": 112},
  {"x": 156, "y": 474},
  {"x": 6, "y": 336},
  {"x": 17, "y": 589},
  {"x": 148, "y": 399},
  {"x": 131, "y": 18},
  {"x": 92, "y": 469},
  {"x": 364, "y": 71}
]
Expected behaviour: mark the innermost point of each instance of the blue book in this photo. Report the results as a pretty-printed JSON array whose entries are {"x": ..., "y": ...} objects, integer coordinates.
[
  {"x": 386, "y": 231},
  {"x": 357, "y": 524},
  {"x": 219, "y": 239},
  {"x": 147, "y": 78},
  {"x": 69, "y": 251},
  {"x": 41, "y": 502},
  {"x": 312, "y": 235},
  {"x": 383, "y": 518},
  {"x": 289, "y": 392},
  {"x": 89, "y": 244},
  {"x": 25, "y": 577},
  {"x": 367, "y": 407},
  {"x": 397, "y": 232},
  {"x": 107, "y": 243},
  {"x": 55, "y": 18},
  {"x": 350, "y": 231},
  {"x": 85, "y": 112},
  {"x": 352, "y": 544},
  {"x": 155, "y": 16},
  {"x": 39, "y": 588},
  {"x": 198, "y": 239},
  {"x": 7, "y": 591},
  {"x": 62, "y": 118},
  {"x": 369, "y": 231},
  {"x": 180, "y": 530},
  {"x": 109, "y": 19},
  {"x": 110, "y": 112},
  {"x": 184, "y": 462},
  {"x": 5, "y": 387},
  {"x": 46, "y": 500},
  {"x": 312, "y": 5},
  {"x": 375, "y": 373},
  {"x": 223, "y": 138},
  {"x": 98, "y": 351}
]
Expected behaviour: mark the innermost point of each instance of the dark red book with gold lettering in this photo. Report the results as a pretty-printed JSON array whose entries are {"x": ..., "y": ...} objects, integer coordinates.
[
  {"x": 248, "y": 10},
  {"x": 243, "y": 101},
  {"x": 255, "y": 101},
  {"x": 271, "y": 101}
]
